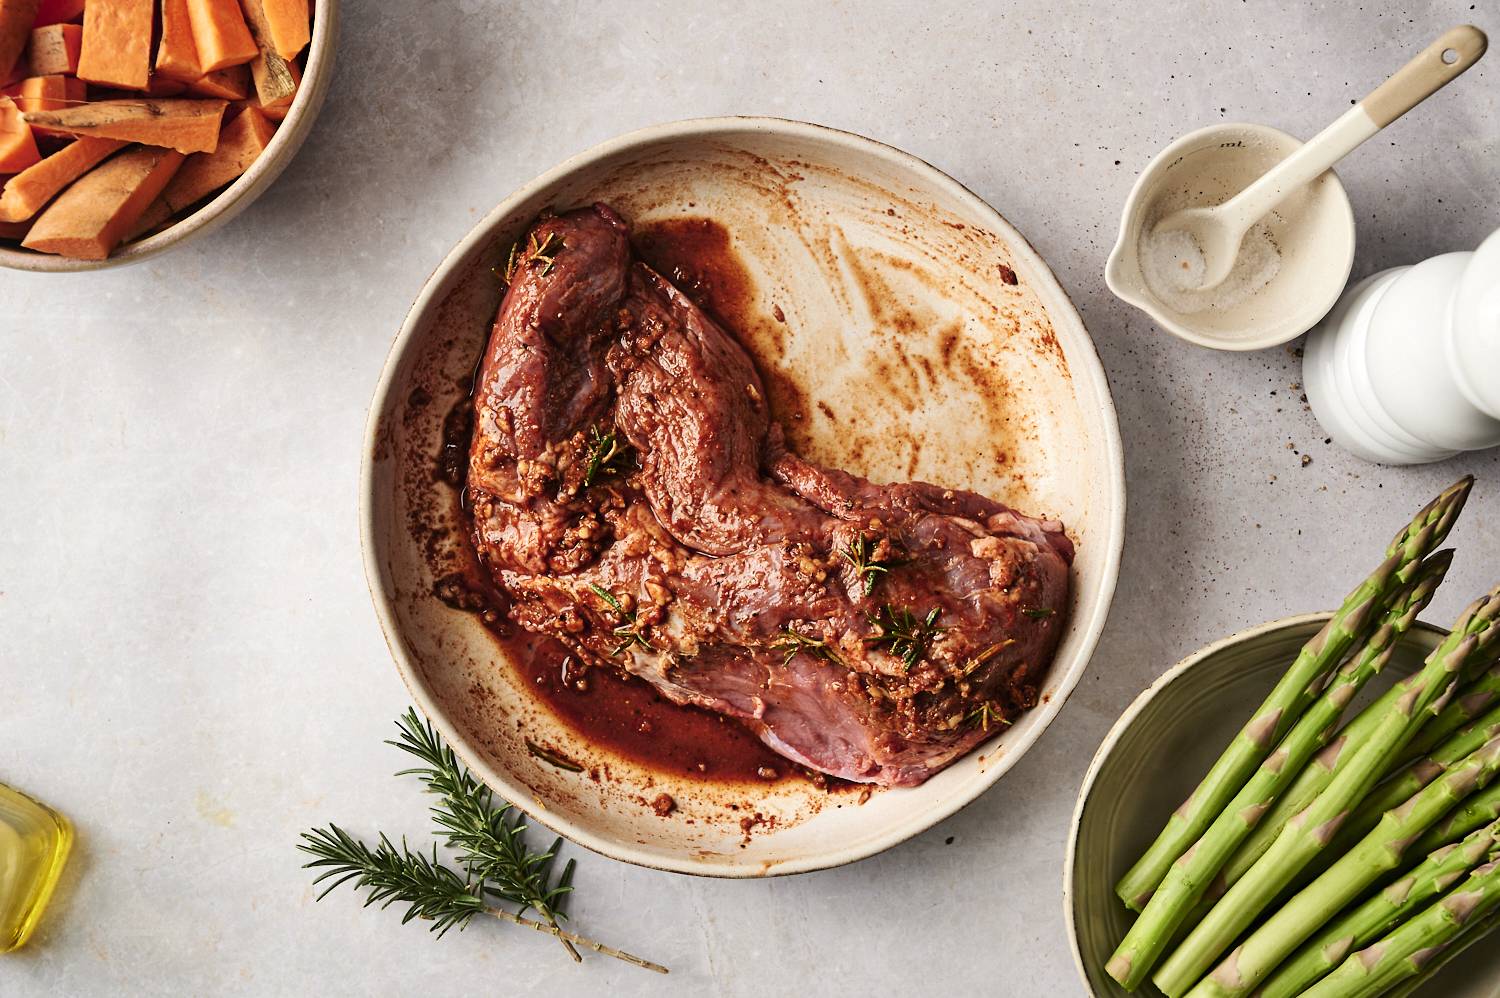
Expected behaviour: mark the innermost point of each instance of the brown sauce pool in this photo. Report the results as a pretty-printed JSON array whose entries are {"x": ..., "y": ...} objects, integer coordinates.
[
  {"x": 621, "y": 714},
  {"x": 628, "y": 718}
]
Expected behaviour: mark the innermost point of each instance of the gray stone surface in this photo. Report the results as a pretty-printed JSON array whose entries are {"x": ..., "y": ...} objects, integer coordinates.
[{"x": 189, "y": 665}]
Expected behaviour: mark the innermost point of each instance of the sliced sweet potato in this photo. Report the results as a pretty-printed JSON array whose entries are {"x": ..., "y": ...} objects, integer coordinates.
[
  {"x": 176, "y": 54},
  {"x": 242, "y": 140},
  {"x": 49, "y": 93},
  {"x": 184, "y": 124},
  {"x": 220, "y": 34},
  {"x": 276, "y": 78},
  {"x": 16, "y": 19},
  {"x": 26, "y": 192},
  {"x": 155, "y": 218},
  {"x": 17, "y": 145},
  {"x": 54, "y": 49},
  {"x": 288, "y": 23},
  {"x": 116, "y": 43},
  {"x": 230, "y": 84},
  {"x": 58, "y": 11},
  {"x": 276, "y": 83},
  {"x": 90, "y": 218}
]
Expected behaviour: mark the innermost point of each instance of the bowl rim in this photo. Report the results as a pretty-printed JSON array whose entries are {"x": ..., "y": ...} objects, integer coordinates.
[
  {"x": 1086, "y": 365},
  {"x": 1189, "y": 143},
  {"x": 1128, "y": 717},
  {"x": 283, "y": 147}
]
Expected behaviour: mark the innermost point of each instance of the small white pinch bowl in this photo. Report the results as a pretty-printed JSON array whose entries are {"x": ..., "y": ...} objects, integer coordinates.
[
  {"x": 317, "y": 74},
  {"x": 1313, "y": 230},
  {"x": 867, "y": 268},
  {"x": 1152, "y": 759}
]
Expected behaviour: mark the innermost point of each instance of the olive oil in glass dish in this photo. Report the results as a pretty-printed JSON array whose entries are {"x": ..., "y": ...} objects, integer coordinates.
[{"x": 34, "y": 843}]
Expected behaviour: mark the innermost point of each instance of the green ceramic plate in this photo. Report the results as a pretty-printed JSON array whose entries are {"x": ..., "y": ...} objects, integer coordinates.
[{"x": 1150, "y": 761}]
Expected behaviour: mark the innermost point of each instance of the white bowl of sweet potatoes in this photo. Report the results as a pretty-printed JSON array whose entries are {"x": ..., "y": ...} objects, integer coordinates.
[{"x": 129, "y": 126}]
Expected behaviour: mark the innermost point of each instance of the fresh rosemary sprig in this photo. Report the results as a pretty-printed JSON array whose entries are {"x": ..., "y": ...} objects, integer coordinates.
[
  {"x": 905, "y": 634},
  {"x": 606, "y": 455},
  {"x": 861, "y": 554},
  {"x": 629, "y": 632},
  {"x": 489, "y": 839},
  {"x": 791, "y": 641},
  {"x": 428, "y": 888}
]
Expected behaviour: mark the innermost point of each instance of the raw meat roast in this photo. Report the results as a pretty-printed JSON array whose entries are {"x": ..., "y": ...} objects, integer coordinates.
[{"x": 632, "y": 496}]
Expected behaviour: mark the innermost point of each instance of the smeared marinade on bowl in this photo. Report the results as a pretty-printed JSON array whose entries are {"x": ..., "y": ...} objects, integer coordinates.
[{"x": 633, "y": 500}]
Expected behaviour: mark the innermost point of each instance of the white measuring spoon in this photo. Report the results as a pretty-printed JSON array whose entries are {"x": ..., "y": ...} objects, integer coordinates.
[{"x": 1217, "y": 231}]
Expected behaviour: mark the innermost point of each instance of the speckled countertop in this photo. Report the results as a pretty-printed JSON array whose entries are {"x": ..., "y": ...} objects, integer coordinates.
[{"x": 189, "y": 662}]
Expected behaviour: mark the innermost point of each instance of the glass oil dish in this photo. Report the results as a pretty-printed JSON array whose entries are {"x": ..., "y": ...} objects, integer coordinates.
[{"x": 34, "y": 843}]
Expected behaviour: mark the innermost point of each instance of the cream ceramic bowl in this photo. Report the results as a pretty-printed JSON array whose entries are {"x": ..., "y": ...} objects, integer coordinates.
[
  {"x": 1313, "y": 230},
  {"x": 919, "y": 337},
  {"x": 1154, "y": 756},
  {"x": 290, "y": 134}
]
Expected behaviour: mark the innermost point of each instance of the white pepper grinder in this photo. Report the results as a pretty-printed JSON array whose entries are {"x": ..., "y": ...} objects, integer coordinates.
[{"x": 1406, "y": 368}]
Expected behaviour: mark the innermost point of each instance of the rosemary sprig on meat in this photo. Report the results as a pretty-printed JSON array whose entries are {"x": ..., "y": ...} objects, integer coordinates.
[
  {"x": 1038, "y": 613},
  {"x": 629, "y": 631},
  {"x": 544, "y": 252},
  {"x": 860, "y": 553},
  {"x": 984, "y": 715},
  {"x": 607, "y": 455},
  {"x": 791, "y": 641},
  {"x": 495, "y": 859},
  {"x": 904, "y": 634}
]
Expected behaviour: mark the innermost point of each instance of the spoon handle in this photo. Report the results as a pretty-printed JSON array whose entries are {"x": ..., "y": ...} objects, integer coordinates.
[
  {"x": 1426, "y": 74},
  {"x": 1407, "y": 87}
]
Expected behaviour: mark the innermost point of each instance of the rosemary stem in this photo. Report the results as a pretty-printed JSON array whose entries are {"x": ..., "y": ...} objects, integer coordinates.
[
  {"x": 569, "y": 937},
  {"x": 567, "y": 945}
]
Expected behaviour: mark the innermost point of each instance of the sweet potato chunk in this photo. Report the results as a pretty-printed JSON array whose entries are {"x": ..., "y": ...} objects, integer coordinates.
[
  {"x": 16, "y": 18},
  {"x": 220, "y": 34},
  {"x": 175, "y": 123},
  {"x": 54, "y": 49},
  {"x": 242, "y": 140},
  {"x": 230, "y": 84},
  {"x": 176, "y": 54},
  {"x": 26, "y": 192},
  {"x": 287, "y": 22},
  {"x": 58, "y": 11},
  {"x": 17, "y": 144},
  {"x": 49, "y": 93},
  {"x": 89, "y": 219},
  {"x": 116, "y": 43},
  {"x": 276, "y": 83}
]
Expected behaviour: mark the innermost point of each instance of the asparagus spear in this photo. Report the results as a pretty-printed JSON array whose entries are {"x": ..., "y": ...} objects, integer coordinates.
[
  {"x": 1376, "y": 854},
  {"x": 1416, "y": 776},
  {"x": 1189, "y": 876},
  {"x": 1318, "y": 773},
  {"x": 1369, "y": 921},
  {"x": 1293, "y": 693},
  {"x": 1476, "y": 812},
  {"x": 1402, "y": 954},
  {"x": 1474, "y": 930},
  {"x": 1306, "y": 834},
  {"x": 1473, "y": 699}
]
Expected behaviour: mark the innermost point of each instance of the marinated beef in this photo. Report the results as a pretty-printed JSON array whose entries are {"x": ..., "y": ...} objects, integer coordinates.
[{"x": 633, "y": 497}]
